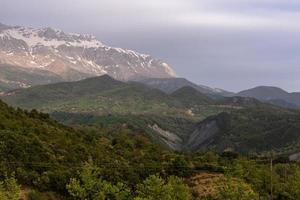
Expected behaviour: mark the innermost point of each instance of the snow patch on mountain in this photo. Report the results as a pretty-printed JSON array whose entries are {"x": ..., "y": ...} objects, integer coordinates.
[
  {"x": 67, "y": 54},
  {"x": 34, "y": 37}
]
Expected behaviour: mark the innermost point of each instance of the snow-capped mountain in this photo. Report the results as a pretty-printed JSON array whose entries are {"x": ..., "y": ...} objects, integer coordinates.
[{"x": 74, "y": 56}]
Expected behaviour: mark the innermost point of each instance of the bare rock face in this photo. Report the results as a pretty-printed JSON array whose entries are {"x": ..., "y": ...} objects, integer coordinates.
[
  {"x": 202, "y": 137},
  {"x": 74, "y": 56}
]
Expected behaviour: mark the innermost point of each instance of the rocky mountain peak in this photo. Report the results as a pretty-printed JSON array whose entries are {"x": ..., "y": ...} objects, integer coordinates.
[{"x": 75, "y": 56}]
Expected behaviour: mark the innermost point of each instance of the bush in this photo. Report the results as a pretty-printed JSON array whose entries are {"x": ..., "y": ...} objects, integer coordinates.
[
  {"x": 9, "y": 189},
  {"x": 34, "y": 195}
]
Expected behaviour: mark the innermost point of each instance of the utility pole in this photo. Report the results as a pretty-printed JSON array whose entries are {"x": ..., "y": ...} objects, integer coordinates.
[{"x": 271, "y": 176}]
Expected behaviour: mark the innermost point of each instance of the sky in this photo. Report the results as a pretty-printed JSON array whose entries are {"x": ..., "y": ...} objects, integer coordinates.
[{"x": 229, "y": 44}]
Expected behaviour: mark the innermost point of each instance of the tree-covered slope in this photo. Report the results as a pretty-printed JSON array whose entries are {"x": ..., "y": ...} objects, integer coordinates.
[
  {"x": 168, "y": 131},
  {"x": 104, "y": 95},
  {"x": 189, "y": 96},
  {"x": 274, "y": 95},
  {"x": 170, "y": 85},
  {"x": 252, "y": 130},
  {"x": 44, "y": 154},
  {"x": 258, "y": 128},
  {"x": 38, "y": 96},
  {"x": 118, "y": 163},
  {"x": 32, "y": 144},
  {"x": 245, "y": 125}
]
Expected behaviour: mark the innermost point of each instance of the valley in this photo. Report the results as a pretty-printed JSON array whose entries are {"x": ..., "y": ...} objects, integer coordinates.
[{"x": 185, "y": 120}]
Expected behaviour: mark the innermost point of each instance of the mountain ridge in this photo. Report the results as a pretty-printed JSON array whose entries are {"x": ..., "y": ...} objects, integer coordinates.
[
  {"x": 105, "y": 95},
  {"x": 74, "y": 56},
  {"x": 191, "y": 96},
  {"x": 184, "y": 120},
  {"x": 257, "y": 129},
  {"x": 170, "y": 85},
  {"x": 274, "y": 95}
]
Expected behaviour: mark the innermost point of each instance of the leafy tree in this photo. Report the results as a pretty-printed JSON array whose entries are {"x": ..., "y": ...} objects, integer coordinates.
[
  {"x": 9, "y": 189},
  {"x": 234, "y": 189},
  {"x": 291, "y": 189},
  {"x": 178, "y": 190},
  {"x": 179, "y": 166},
  {"x": 91, "y": 186},
  {"x": 155, "y": 187},
  {"x": 34, "y": 195}
]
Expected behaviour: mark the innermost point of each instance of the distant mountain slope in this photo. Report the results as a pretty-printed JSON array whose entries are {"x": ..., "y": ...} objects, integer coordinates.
[
  {"x": 240, "y": 102},
  {"x": 273, "y": 95},
  {"x": 258, "y": 128},
  {"x": 169, "y": 131},
  {"x": 105, "y": 95},
  {"x": 104, "y": 99},
  {"x": 97, "y": 95},
  {"x": 190, "y": 96},
  {"x": 295, "y": 98},
  {"x": 170, "y": 85},
  {"x": 244, "y": 125},
  {"x": 167, "y": 118},
  {"x": 74, "y": 56},
  {"x": 265, "y": 92},
  {"x": 253, "y": 130},
  {"x": 13, "y": 77}
]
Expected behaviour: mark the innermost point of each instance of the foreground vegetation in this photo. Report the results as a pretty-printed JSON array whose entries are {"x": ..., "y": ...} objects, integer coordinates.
[{"x": 117, "y": 162}]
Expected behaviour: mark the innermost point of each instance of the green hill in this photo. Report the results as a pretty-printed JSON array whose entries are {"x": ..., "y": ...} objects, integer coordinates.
[
  {"x": 273, "y": 95},
  {"x": 162, "y": 129},
  {"x": 44, "y": 154},
  {"x": 252, "y": 130},
  {"x": 104, "y": 95},
  {"x": 190, "y": 97},
  {"x": 31, "y": 139},
  {"x": 43, "y": 95},
  {"x": 248, "y": 125},
  {"x": 48, "y": 157}
]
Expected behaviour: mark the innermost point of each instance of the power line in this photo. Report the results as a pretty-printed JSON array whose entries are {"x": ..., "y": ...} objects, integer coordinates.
[{"x": 110, "y": 165}]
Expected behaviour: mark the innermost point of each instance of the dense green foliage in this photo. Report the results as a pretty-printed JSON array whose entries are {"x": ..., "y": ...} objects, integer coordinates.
[
  {"x": 111, "y": 156},
  {"x": 253, "y": 130},
  {"x": 235, "y": 189},
  {"x": 246, "y": 178},
  {"x": 9, "y": 189},
  {"x": 248, "y": 126},
  {"x": 257, "y": 130},
  {"x": 190, "y": 97},
  {"x": 104, "y": 95},
  {"x": 46, "y": 155},
  {"x": 90, "y": 185},
  {"x": 182, "y": 127},
  {"x": 156, "y": 188}
]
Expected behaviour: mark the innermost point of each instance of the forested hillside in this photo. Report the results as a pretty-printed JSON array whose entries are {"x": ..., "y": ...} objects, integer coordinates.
[
  {"x": 45, "y": 155},
  {"x": 104, "y": 95},
  {"x": 184, "y": 120},
  {"x": 52, "y": 161},
  {"x": 258, "y": 129}
]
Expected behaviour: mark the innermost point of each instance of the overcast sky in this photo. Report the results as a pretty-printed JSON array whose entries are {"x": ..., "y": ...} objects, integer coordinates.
[{"x": 230, "y": 44}]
